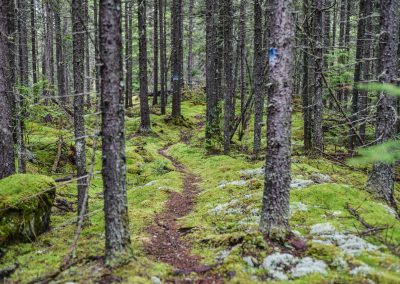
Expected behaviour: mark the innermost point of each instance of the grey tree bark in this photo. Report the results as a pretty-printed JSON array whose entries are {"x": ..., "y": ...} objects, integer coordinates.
[
  {"x": 243, "y": 83},
  {"x": 155, "y": 53},
  {"x": 212, "y": 113},
  {"x": 60, "y": 54},
  {"x": 113, "y": 136},
  {"x": 163, "y": 58},
  {"x": 33, "y": 42},
  {"x": 7, "y": 161},
  {"x": 275, "y": 211},
  {"x": 380, "y": 182},
  {"x": 88, "y": 80},
  {"x": 190, "y": 45},
  {"x": 229, "y": 111},
  {"x": 258, "y": 77},
  {"x": 78, "y": 41},
  {"x": 128, "y": 53},
  {"x": 177, "y": 58},
  {"x": 144, "y": 102},
  {"x": 318, "y": 135}
]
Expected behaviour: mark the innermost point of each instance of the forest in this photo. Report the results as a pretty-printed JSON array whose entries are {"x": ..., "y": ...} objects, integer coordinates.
[{"x": 199, "y": 141}]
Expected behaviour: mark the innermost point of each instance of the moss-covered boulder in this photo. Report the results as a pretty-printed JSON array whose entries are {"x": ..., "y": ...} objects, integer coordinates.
[{"x": 25, "y": 207}]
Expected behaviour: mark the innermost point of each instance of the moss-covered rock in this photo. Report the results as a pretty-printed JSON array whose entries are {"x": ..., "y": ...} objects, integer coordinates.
[{"x": 25, "y": 206}]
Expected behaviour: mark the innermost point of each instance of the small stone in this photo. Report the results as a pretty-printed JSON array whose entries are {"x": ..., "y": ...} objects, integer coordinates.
[
  {"x": 320, "y": 178},
  {"x": 156, "y": 280},
  {"x": 248, "y": 260}
]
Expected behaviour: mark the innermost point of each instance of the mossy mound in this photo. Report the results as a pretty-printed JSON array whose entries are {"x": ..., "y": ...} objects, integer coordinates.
[{"x": 25, "y": 206}]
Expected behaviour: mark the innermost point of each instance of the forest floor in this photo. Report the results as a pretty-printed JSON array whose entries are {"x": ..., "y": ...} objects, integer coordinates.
[{"x": 194, "y": 216}]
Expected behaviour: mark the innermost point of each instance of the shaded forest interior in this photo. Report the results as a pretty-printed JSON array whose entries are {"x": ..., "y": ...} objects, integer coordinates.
[{"x": 170, "y": 141}]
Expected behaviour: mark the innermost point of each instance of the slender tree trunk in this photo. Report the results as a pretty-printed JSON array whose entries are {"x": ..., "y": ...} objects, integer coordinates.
[
  {"x": 357, "y": 73},
  {"x": 144, "y": 102},
  {"x": 23, "y": 63},
  {"x": 96, "y": 48},
  {"x": 113, "y": 136},
  {"x": 307, "y": 100},
  {"x": 60, "y": 55},
  {"x": 275, "y": 212},
  {"x": 367, "y": 47},
  {"x": 229, "y": 111},
  {"x": 318, "y": 136},
  {"x": 258, "y": 77},
  {"x": 212, "y": 114},
  {"x": 78, "y": 31},
  {"x": 243, "y": 85},
  {"x": 88, "y": 81},
  {"x": 190, "y": 40},
  {"x": 380, "y": 181},
  {"x": 48, "y": 50},
  {"x": 128, "y": 53},
  {"x": 33, "y": 42},
  {"x": 7, "y": 161},
  {"x": 177, "y": 49},
  {"x": 163, "y": 71},
  {"x": 155, "y": 52}
]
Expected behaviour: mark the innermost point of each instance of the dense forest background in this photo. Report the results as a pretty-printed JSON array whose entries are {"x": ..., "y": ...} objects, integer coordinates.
[{"x": 228, "y": 141}]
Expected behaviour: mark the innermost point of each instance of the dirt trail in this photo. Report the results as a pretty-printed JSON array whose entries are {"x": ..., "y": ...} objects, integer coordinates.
[{"x": 166, "y": 243}]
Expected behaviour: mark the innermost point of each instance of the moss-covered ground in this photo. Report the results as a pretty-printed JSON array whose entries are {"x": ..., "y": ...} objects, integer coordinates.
[{"x": 223, "y": 227}]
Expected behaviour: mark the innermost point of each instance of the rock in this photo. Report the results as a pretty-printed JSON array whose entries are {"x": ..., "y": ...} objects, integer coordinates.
[
  {"x": 250, "y": 173},
  {"x": 301, "y": 183},
  {"x": 278, "y": 263},
  {"x": 363, "y": 270},
  {"x": 308, "y": 265},
  {"x": 239, "y": 183},
  {"x": 248, "y": 260},
  {"x": 25, "y": 207},
  {"x": 320, "y": 178},
  {"x": 322, "y": 229},
  {"x": 156, "y": 280}
]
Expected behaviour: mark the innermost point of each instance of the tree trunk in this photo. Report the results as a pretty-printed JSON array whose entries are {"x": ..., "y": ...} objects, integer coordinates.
[
  {"x": 367, "y": 47},
  {"x": 113, "y": 136},
  {"x": 144, "y": 102},
  {"x": 380, "y": 181},
  {"x": 307, "y": 100},
  {"x": 190, "y": 45},
  {"x": 275, "y": 212},
  {"x": 78, "y": 41},
  {"x": 7, "y": 161},
  {"x": 357, "y": 73},
  {"x": 88, "y": 81},
  {"x": 128, "y": 53},
  {"x": 155, "y": 52},
  {"x": 177, "y": 59},
  {"x": 318, "y": 136},
  {"x": 23, "y": 81},
  {"x": 258, "y": 77},
  {"x": 242, "y": 54},
  {"x": 163, "y": 59},
  {"x": 212, "y": 113},
  {"x": 60, "y": 55},
  {"x": 33, "y": 43},
  {"x": 229, "y": 111}
]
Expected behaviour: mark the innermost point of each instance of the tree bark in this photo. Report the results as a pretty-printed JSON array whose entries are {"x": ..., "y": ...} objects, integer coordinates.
[
  {"x": 7, "y": 161},
  {"x": 144, "y": 102},
  {"x": 163, "y": 59},
  {"x": 242, "y": 54},
  {"x": 177, "y": 53},
  {"x": 155, "y": 53},
  {"x": 258, "y": 77},
  {"x": 88, "y": 81},
  {"x": 380, "y": 182},
  {"x": 113, "y": 136},
  {"x": 229, "y": 111},
  {"x": 60, "y": 55},
  {"x": 318, "y": 136},
  {"x": 128, "y": 53},
  {"x": 78, "y": 41},
  {"x": 275, "y": 212},
  {"x": 33, "y": 42},
  {"x": 190, "y": 45}
]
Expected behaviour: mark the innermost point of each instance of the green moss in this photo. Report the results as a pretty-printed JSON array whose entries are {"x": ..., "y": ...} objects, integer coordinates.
[{"x": 327, "y": 253}]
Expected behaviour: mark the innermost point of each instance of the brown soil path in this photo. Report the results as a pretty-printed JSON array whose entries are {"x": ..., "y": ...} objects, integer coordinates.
[{"x": 166, "y": 243}]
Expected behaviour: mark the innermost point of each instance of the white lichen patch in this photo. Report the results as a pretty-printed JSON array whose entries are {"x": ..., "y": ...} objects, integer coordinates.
[
  {"x": 308, "y": 265},
  {"x": 350, "y": 244},
  {"x": 363, "y": 270},
  {"x": 284, "y": 266},
  {"x": 239, "y": 183},
  {"x": 320, "y": 178},
  {"x": 298, "y": 206},
  {"x": 301, "y": 183},
  {"x": 250, "y": 173}
]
